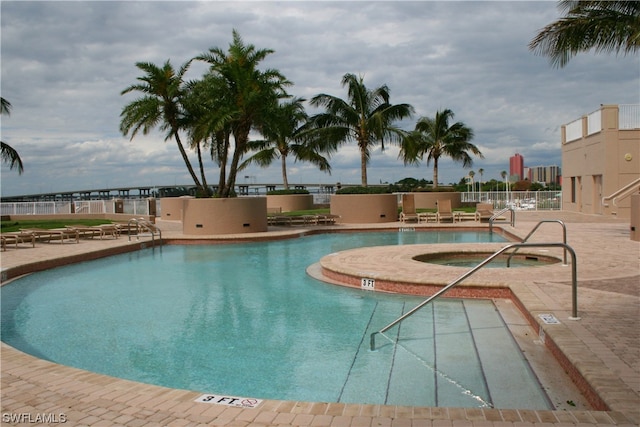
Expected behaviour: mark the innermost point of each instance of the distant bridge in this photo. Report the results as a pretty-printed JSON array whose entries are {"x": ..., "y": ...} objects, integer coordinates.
[{"x": 140, "y": 192}]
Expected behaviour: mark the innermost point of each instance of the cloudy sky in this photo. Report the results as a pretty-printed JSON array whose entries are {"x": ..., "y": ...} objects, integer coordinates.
[{"x": 64, "y": 65}]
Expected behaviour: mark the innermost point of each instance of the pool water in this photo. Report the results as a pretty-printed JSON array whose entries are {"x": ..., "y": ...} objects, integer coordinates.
[
  {"x": 246, "y": 320},
  {"x": 470, "y": 260}
]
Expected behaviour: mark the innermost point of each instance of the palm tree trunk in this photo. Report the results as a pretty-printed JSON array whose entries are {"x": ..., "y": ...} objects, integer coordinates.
[
  {"x": 205, "y": 188},
  {"x": 363, "y": 167},
  {"x": 222, "y": 161},
  {"x": 285, "y": 181},
  {"x": 435, "y": 172},
  {"x": 186, "y": 160},
  {"x": 241, "y": 137},
  {"x": 233, "y": 171}
]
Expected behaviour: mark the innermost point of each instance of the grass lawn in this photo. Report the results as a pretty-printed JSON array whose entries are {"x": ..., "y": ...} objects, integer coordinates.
[{"x": 9, "y": 226}]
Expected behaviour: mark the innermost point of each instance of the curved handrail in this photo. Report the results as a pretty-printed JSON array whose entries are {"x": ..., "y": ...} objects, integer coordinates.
[
  {"x": 500, "y": 212},
  {"x": 624, "y": 191},
  {"x": 564, "y": 239},
  {"x": 143, "y": 223},
  {"x": 574, "y": 285}
]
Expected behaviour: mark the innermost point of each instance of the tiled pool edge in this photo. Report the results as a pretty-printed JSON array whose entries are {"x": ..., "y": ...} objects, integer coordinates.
[{"x": 88, "y": 398}]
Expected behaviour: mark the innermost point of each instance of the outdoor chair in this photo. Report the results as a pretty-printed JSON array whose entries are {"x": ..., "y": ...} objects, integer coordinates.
[
  {"x": 444, "y": 210},
  {"x": 408, "y": 208}
]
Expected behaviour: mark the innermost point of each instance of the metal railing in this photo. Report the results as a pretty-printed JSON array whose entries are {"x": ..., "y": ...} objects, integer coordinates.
[
  {"x": 499, "y": 213},
  {"x": 144, "y": 225},
  {"x": 625, "y": 191},
  {"x": 564, "y": 239},
  {"x": 574, "y": 284}
]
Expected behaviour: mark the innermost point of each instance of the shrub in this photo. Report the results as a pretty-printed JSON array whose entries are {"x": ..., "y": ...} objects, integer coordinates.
[
  {"x": 286, "y": 192},
  {"x": 365, "y": 190}
]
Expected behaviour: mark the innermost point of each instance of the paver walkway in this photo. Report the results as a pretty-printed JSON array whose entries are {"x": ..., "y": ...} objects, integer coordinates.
[{"x": 604, "y": 346}]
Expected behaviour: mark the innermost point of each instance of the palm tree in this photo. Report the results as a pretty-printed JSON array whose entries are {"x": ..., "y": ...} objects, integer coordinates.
[
  {"x": 161, "y": 105},
  {"x": 480, "y": 171},
  {"x": 283, "y": 136},
  {"x": 434, "y": 137},
  {"x": 7, "y": 153},
  {"x": 249, "y": 96},
  {"x": 366, "y": 117},
  {"x": 603, "y": 25},
  {"x": 473, "y": 184}
]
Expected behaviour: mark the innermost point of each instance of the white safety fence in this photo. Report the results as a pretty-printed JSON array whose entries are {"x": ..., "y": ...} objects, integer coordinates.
[
  {"x": 129, "y": 206},
  {"x": 518, "y": 200}
]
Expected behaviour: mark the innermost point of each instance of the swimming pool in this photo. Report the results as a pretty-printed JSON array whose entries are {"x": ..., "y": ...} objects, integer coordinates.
[{"x": 245, "y": 319}]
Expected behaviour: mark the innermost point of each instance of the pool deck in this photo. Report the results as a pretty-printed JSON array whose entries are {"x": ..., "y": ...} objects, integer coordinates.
[{"x": 603, "y": 347}]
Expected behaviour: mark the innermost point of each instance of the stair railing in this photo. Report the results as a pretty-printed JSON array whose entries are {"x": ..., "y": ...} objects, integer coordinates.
[
  {"x": 625, "y": 191},
  {"x": 574, "y": 285}
]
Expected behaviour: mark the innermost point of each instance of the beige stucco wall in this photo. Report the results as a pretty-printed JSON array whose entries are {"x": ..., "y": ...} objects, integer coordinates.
[
  {"x": 224, "y": 216},
  {"x": 600, "y": 164},
  {"x": 428, "y": 200},
  {"x": 290, "y": 202},
  {"x": 365, "y": 208},
  {"x": 171, "y": 208}
]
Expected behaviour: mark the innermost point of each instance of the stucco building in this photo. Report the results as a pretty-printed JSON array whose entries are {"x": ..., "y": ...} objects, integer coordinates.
[{"x": 601, "y": 159}]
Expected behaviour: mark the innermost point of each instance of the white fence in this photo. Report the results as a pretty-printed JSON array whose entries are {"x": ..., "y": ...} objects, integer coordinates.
[
  {"x": 519, "y": 200},
  {"x": 130, "y": 206}
]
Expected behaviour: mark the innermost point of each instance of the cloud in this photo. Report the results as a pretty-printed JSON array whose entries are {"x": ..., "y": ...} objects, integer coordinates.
[{"x": 64, "y": 65}]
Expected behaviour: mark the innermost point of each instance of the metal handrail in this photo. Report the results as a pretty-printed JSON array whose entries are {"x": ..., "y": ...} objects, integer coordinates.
[
  {"x": 143, "y": 223},
  {"x": 574, "y": 285},
  {"x": 564, "y": 239},
  {"x": 497, "y": 215},
  {"x": 624, "y": 192}
]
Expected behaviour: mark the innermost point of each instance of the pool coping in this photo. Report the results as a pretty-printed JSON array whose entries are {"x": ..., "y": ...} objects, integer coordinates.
[{"x": 31, "y": 385}]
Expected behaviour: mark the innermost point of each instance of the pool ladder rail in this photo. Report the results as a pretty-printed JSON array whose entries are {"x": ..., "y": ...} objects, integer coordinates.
[
  {"x": 145, "y": 228},
  {"x": 499, "y": 214},
  {"x": 574, "y": 284}
]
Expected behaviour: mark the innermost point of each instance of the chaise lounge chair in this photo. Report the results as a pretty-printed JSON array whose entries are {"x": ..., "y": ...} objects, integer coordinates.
[
  {"x": 444, "y": 210},
  {"x": 96, "y": 230},
  {"x": 57, "y": 233},
  {"x": 484, "y": 211},
  {"x": 408, "y": 209},
  {"x": 17, "y": 237}
]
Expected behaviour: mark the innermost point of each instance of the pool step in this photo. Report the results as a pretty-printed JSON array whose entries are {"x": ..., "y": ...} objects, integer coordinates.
[{"x": 470, "y": 360}]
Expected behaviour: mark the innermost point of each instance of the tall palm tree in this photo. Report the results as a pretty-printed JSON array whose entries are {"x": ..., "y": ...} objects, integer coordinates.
[
  {"x": 249, "y": 96},
  {"x": 603, "y": 25},
  {"x": 480, "y": 171},
  {"x": 283, "y": 134},
  {"x": 473, "y": 184},
  {"x": 366, "y": 117},
  {"x": 7, "y": 153},
  {"x": 434, "y": 137},
  {"x": 160, "y": 105}
]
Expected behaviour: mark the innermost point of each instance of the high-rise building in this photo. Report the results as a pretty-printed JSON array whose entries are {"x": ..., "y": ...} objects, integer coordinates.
[
  {"x": 516, "y": 167},
  {"x": 545, "y": 174}
]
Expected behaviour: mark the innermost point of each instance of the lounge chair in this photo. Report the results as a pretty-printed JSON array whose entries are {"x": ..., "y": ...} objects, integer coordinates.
[
  {"x": 95, "y": 230},
  {"x": 326, "y": 219},
  {"x": 484, "y": 211},
  {"x": 444, "y": 210},
  {"x": 17, "y": 237},
  {"x": 408, "y": 208},
  {"x": 48, "y": 234}
]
